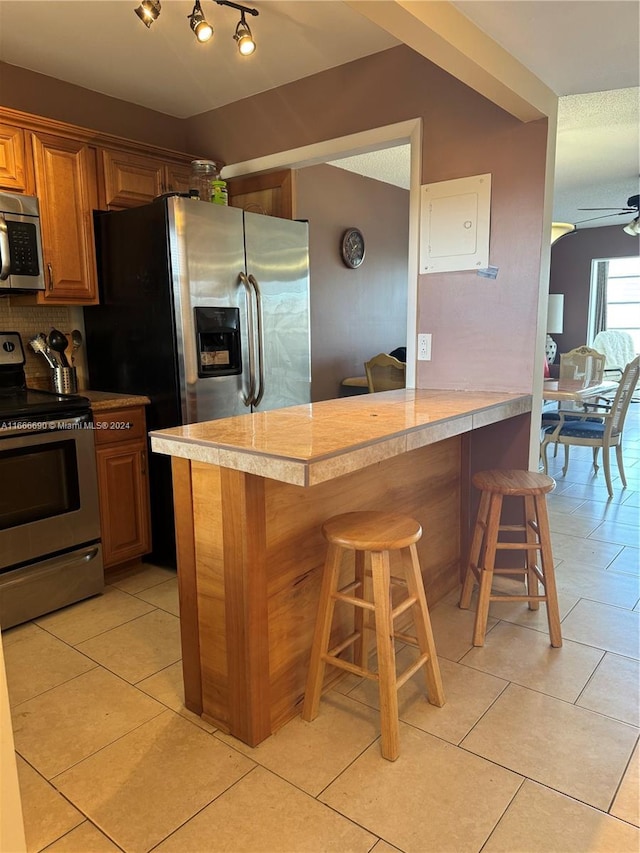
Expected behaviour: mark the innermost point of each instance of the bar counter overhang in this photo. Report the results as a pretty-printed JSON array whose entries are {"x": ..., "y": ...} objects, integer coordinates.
[{"x": 251, "y": 494}]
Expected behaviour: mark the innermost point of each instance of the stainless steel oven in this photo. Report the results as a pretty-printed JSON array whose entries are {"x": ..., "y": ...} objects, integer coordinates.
[{"x": 50, "y": 552}]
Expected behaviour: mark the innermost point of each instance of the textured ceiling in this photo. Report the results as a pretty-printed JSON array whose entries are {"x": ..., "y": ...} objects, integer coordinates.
[
  {"x": 576, "y": 47},
  {"x": 391, "y": 165},
  {"x": 597, "y": 154}
]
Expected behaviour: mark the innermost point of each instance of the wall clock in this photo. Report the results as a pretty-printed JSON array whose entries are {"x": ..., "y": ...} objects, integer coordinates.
[{"x": 352, "y": 248}]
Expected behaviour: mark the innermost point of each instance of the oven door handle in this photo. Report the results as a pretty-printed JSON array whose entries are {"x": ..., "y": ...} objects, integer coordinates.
[
  {"x": 49, "y": 564},
  {"x": 5, "y": 258}
]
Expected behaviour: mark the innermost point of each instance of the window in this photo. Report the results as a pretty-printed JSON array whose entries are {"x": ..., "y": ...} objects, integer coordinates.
[{"x": 620, "y": 297}]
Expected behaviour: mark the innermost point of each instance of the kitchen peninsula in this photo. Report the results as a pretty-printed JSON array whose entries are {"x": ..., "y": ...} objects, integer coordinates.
[{"x": 251, "y": 493}]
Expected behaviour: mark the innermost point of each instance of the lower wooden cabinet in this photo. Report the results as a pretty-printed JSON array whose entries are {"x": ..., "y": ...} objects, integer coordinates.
[{"x": 121, "y": 456}]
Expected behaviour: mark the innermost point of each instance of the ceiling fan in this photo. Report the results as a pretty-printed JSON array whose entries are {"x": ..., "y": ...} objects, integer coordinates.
[{"x": 633, "y": 206}]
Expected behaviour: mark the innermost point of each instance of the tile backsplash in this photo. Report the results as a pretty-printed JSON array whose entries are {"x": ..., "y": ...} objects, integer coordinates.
[{"x": 29, "y": 320}]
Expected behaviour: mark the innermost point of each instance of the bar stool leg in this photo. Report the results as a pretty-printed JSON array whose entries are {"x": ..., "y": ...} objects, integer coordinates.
[
  {"x": 530, "y": 516},
  {"x": 486, "y": 569},
  {"x": 322, "y": 633},
  {"x": 474, "y": 552},
  {"x": 548, "y": 572},
  {"x": 424, "y": 632},
  {"x": 360, "y": 621},
  {"x": 389, "y": 724}
]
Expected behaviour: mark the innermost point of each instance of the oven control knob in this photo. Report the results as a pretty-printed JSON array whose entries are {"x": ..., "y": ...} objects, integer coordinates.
[{"x": 8, "y": 346}]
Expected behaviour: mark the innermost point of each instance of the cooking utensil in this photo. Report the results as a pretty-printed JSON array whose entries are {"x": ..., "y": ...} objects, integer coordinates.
[
  {"x": 38, "y": 345},
  {"x": 76, "y": 340},
  {"x": 58, "y": 343},
  {"x": 48, "y": 349}
]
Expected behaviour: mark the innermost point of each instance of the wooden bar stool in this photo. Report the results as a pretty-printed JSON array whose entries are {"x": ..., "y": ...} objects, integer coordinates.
[
  {"x": 377, "y": 533},
  {"x": 494, "y": 485}
]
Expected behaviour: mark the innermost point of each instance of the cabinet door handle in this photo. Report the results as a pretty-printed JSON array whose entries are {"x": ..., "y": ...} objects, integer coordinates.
[{"x": 50, "y": 271}]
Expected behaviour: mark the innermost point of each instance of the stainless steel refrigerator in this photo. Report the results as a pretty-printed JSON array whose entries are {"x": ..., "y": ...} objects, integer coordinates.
[{"x": 204, "y": 309}]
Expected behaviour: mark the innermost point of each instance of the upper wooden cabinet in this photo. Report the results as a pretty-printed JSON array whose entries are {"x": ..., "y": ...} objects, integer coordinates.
[
  {"x": 75, "y": 171},
  {"x": 131, "y": 180},
  {"x": 272, "y": 194},
  {"x": 13, "y": 172},
  {"x": 177, "y": 177},
  {"x": 65, "y": 180}
]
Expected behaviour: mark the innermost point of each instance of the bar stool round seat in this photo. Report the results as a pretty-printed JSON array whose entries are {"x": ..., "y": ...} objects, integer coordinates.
[
  {"x": 375, "y": 534},
  {"x": 533, "y": 540},
  {"x": 372, "y": 531}
]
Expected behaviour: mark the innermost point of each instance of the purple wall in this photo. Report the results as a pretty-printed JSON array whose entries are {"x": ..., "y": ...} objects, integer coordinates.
[
  {"x": 484, "y": 331},
  {"x": 571, "y": 259},
  {"x": 35, "y": 93},
  {"x": 355, "y": 314}
]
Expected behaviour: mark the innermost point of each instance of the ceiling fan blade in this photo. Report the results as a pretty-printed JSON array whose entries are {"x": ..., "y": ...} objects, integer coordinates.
[
  {"x": 604, "y": 215},
  {"x": 621, "y": 209}
]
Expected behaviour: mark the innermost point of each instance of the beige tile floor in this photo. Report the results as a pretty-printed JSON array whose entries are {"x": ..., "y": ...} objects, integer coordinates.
[{"x": 535, "y": 750}]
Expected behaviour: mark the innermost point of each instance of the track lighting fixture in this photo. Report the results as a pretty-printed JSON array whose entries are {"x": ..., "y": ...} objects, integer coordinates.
[
  {"x": 246, "y": 44},
  {"x": 201, "y": 29},
  {"x": 149, "y": 10}
]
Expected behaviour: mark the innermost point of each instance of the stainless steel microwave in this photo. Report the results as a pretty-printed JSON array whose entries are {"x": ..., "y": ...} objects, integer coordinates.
[{"x": 20, "y": 243}]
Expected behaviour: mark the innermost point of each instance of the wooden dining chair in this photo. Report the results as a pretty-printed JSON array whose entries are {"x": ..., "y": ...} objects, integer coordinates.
[
  {"x": 584, "y": 431},
  {"x": 582, "y": 364},
  {"x": 385, "y": 373}
]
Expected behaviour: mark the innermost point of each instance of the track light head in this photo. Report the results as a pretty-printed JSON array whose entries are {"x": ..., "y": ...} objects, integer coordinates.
[
  {"x": 246, "y": 44},
  {"x": 148, "y": 11},
  {"x": 201, "y": 28}
]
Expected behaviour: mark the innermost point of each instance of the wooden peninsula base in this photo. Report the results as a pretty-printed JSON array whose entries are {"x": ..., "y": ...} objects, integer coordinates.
[{"x": 251, "y": 494}]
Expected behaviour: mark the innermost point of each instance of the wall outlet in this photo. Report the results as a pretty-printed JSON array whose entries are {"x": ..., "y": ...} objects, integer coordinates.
[{"x": 424, "y": 347}]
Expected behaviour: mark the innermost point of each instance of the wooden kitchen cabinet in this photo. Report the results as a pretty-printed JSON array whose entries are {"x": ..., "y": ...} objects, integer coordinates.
[
  {"x": 177, "y": 177},
  {"x": 123, "y": 487},
  {"x": 13, "y": 161},
  {"x": 272, "y": 194},
  {"x": 74, "y": 171},
  {"x": 66, "y": 185},
  {"x": 130, "y": 180}
]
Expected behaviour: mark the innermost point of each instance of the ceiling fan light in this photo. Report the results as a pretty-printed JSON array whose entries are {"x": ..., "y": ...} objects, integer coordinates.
[
  {"x": 243, "y": 37},
  {"x": 148, "y": 11},
  {"x": 201, "y": 28},
  {"x": 559, "y": 229},
  {"x": 633, "y": 227}
]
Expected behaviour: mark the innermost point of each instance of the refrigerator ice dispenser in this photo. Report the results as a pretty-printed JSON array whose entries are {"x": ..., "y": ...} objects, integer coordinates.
[{"x": 218, "y": 340}]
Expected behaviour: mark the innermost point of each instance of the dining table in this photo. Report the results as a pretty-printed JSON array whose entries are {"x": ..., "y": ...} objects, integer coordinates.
[{"x": 575, "y": 391}]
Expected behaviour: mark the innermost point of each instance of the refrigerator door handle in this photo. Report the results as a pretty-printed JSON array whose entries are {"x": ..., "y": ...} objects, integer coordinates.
[
  {"x": 249, "y": 398},
  {"x": 260, "y": 392}
]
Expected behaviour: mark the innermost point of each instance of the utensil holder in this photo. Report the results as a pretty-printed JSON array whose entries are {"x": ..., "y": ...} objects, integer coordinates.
[{"x": 64, "y": 380}]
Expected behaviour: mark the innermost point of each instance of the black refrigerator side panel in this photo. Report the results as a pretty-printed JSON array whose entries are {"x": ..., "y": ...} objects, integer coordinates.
[{"x": 130, "y": 339}]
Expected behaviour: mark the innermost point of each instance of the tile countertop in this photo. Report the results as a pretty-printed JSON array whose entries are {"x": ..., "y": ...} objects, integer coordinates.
[
  {"x": 312, "y": 443},
  {"x": 105, "y": 400}
]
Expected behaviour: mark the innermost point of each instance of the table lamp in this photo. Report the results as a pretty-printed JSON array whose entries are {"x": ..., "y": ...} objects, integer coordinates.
[{"x": 555, "y": 314}]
